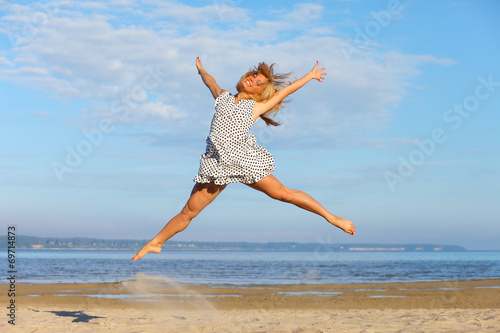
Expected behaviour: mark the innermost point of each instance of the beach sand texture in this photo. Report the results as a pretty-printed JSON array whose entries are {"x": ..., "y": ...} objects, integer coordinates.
[{"x": 158, "y": 304}]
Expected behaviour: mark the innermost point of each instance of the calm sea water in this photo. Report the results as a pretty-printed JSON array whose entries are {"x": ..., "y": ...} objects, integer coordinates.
[{"x": 256, "y": 267}]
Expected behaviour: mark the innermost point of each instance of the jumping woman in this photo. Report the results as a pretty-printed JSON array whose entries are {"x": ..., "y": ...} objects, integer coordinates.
[{"x": 232, "y": 154}]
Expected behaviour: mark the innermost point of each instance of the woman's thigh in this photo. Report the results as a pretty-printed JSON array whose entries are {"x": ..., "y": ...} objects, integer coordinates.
[
  {"x": 202, "y": 195},
  {"x": 271, "y": 186}
]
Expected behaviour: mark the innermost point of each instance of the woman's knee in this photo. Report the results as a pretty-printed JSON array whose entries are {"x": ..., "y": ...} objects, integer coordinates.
[
  {"x": 284, "y": 194},
  {"x": 189, "y": 213}
]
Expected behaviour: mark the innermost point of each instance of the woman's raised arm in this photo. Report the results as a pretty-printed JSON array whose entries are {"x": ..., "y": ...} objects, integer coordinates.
[
  {"x": 316, "y": 74},
  {"x": 208, "y": 80}
]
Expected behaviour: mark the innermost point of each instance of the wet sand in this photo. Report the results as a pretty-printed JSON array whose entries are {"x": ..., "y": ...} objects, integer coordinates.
[{"x": 158, "y": 304}]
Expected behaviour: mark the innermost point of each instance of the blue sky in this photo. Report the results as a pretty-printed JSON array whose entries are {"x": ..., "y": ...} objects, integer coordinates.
[{"x": 103, "y": 117}]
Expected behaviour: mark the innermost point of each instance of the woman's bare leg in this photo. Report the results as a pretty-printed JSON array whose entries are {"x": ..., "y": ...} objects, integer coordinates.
[
  {"x": 271, "y": 186},
  {"x": 201, "y": 196}
]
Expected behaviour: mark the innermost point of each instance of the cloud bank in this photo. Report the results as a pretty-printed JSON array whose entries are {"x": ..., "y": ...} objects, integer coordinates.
[{"x": 85, "y": 50}]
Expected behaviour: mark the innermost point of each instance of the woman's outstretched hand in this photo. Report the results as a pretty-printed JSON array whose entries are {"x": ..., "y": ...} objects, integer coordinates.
[
  {"x": 198, "y": 65},
  {"x": 318, "y": 74}
]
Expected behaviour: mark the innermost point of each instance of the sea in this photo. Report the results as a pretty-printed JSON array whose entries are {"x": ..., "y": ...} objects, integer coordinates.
[{"x": 254, "y": 267}]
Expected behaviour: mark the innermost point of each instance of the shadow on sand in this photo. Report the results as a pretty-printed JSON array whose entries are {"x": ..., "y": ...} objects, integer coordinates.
[{"x": 79, "y": 316}]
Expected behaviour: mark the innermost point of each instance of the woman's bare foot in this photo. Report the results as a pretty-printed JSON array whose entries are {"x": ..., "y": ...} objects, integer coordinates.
[
  {"x": 149, "y": 247},
  {"x": 343, "y": 224}
]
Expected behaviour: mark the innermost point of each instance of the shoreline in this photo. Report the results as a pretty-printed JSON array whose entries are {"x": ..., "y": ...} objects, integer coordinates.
[
  {"x": 144, "y": 290},
  {"x": 157, "y": 303},
  {"x": 173, "y": 248},
  {"x": 233, "y": 285},
  {"x": 168, "y": 279}
]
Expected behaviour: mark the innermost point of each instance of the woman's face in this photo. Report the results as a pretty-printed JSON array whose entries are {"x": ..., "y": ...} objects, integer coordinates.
[{"x": 253, "y": 83}]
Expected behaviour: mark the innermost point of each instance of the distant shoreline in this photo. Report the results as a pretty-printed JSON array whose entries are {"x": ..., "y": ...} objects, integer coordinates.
[
  {"x": 224, "y": 249},
  {"x": 75, "y": 243}
]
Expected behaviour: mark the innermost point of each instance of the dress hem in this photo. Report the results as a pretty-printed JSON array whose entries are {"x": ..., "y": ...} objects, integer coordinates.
[{"x": 224, "y": 181}]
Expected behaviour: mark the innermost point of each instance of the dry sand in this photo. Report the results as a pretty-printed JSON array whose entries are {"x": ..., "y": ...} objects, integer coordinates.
[{"x": 157, "y": 304}]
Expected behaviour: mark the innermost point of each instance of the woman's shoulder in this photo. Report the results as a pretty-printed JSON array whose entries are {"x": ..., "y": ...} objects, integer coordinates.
[
  {"x": 222, "y": 95},
  {"x": 223, "y": 98}
]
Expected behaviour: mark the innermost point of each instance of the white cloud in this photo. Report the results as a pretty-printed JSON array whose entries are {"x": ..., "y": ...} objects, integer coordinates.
[
  {"x": 84, "y": 5},
  {"x": 178, "y": 12},
  {"x": 4, "y": 62},
  {"x": 161, "y": 110},
  {"x": 304, "y": 12}
]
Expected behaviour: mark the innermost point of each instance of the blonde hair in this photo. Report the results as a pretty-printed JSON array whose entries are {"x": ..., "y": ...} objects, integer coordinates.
[{"x": 275, "y": 81}]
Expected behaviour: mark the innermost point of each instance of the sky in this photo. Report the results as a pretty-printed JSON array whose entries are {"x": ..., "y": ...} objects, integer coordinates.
[{"x": 103, "y": 118}]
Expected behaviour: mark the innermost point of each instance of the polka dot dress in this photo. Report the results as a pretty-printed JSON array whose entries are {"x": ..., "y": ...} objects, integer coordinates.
[{"x": 232, "y": 154}]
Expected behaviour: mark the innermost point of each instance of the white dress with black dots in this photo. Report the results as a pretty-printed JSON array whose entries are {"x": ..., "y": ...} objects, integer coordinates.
[{"x": 232, "y": 155}]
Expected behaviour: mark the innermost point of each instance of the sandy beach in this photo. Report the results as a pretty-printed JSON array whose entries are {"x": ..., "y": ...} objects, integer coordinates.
[{"x": 158, "y": 304}]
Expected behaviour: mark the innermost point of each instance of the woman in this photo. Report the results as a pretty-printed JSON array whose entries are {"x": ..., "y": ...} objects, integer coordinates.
[{"x": 232, "y": 155}]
